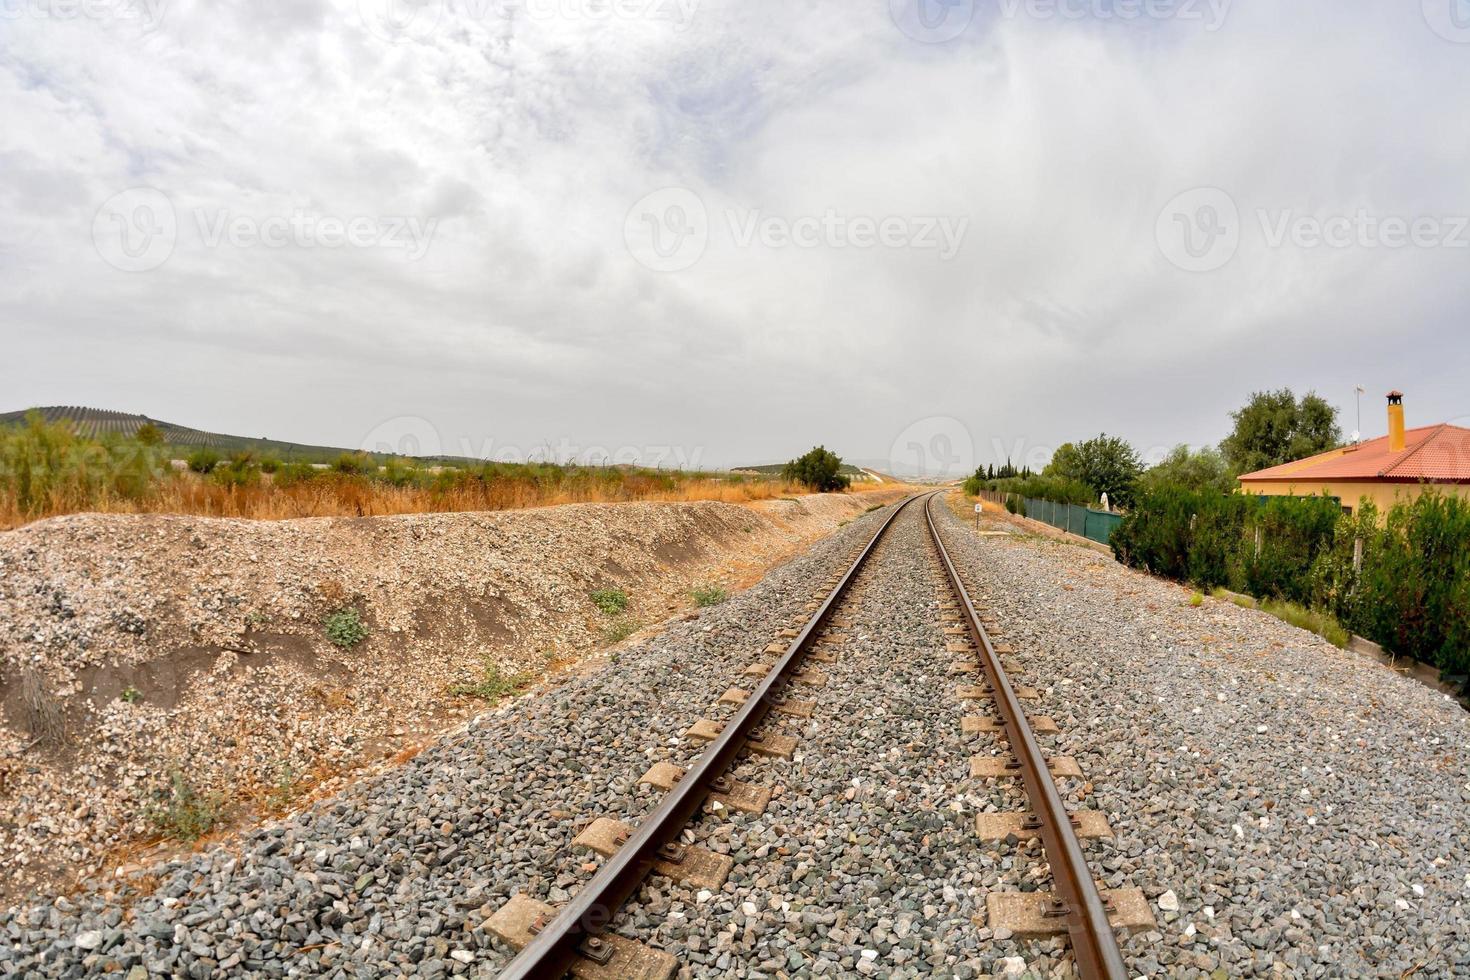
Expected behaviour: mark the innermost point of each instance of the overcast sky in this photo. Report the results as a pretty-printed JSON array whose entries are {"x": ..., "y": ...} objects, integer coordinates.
[{"x": 721, "y": 232}]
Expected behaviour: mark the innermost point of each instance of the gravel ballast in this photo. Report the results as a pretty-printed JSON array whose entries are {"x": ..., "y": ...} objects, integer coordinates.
[{"x": 1289, "y": 809}]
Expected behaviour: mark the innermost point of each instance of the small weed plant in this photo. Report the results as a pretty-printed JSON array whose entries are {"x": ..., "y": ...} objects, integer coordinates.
[
  {"x": 345, "y": 627},
  {"x": 493, "y": 685},
  {"x": 708, "y": 595},
  {"x": 620, "y": 629},
  {"x": 131, "y": 695},
  {"x": 184, "y": 813},
  {"x": 1323, "y": 624},
  {"x": 610, "y": 601}
]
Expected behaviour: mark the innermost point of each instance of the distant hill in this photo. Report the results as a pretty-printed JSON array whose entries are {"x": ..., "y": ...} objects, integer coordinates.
[{"x": 95, "y": 422}]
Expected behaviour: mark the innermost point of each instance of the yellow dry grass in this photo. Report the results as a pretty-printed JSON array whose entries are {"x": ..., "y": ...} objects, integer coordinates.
[{"x": 332, "y": 496}]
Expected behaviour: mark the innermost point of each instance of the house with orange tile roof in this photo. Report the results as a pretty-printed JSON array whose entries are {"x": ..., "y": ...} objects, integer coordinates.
[{"x": 1399, "y": 466}]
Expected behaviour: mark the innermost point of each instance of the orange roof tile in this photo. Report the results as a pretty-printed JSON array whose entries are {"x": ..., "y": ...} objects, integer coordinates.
[{"x": 1433, "y": 454}]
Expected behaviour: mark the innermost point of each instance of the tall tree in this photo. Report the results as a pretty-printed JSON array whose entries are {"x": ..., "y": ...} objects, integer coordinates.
[
  {"x": 1205, "y": 469},
  {"x": 1110, "y": 466},
  {"x": 1066, "y": 464},
  {"x": 1275, "y": 428},
  {"x": 820, "y": 469}
]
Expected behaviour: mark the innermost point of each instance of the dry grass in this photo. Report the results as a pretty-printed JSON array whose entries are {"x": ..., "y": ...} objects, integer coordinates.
[
  {"x": 43, "y": 710},
  {"x": 341, "y": 496},
  {"x": 47, "y": 470}
]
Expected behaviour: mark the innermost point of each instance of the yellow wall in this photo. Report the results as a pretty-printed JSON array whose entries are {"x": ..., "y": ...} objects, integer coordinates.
[{"x": 1384, "y": 495}]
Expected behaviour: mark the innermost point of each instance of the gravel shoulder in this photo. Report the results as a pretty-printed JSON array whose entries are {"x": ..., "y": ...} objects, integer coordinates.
[
  {"x": 1306, "y": 810},
  {"x": 133, "y": 648}
]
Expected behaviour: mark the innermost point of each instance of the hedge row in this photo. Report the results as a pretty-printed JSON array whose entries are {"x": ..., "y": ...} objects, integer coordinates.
[{"x": 1412, "y": 593}]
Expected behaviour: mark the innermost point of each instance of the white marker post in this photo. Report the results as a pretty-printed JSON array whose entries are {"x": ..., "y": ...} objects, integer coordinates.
[{"x": 979, "y": 509}]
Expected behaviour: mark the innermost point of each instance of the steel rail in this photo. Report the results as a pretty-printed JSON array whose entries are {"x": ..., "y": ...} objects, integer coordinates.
[
  {"x": 1094, "y": 945},
  {"x": 555, "y": 947}
]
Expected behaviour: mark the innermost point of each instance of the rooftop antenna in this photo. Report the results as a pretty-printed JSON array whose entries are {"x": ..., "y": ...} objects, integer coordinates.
[{"x": 1358, "y": 432}]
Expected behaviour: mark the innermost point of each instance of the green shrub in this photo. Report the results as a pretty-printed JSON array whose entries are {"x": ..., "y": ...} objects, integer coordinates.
[
  {"x": 202, "y": 460},
  {"x": 1266, "y": 547},
  {"x": 820, "y": 469},
  {"x": 354, "y": 464},
  {"x": 45, "y": 465},
  {"x": 708, "y": 595},
  {"x": 130, "y": 695},
  {"x": 492, "y": 685},
  {"x": 610, "y": 601},
  {"x": 1296, "y": 554},
  {"x": 240, "y": 471},
  {"x": 345, "y": 627},
  {"x": 1197, "y": 600},
  {"x": 1413, "y": 595},
  {"x": 183, "y": 813}
]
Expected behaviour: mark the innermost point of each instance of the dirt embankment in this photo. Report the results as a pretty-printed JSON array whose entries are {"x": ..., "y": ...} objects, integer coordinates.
[{"x": 138, "y": 650}]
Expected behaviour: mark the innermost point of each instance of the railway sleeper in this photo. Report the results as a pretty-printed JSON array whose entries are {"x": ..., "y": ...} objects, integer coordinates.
[
  {"x": 983, "y": 692},
  {"x": 601, "y": 957},
  {"x": 1037, "y": 915},
  {"x": 696, "y": 866},
  {"x": 986, "y": 725},
  {"x": 996, "y": 767},
  {"x": 761, "y": 743},
  {"x": 730, "y": 793},
  {"x": 1087, "y": 824},
  {"x": 780, "y": 704}
]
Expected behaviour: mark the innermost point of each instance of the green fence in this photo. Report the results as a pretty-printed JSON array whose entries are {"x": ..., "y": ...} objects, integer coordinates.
[{"x": 1095, "y": 525}]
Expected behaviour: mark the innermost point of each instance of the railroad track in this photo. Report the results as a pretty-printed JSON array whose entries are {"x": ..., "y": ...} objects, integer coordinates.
[{"x": 576, "y": 939}]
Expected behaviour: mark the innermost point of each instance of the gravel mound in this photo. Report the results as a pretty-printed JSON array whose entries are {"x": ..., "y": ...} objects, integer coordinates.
[
  {"x": 390, "y": 877},
  {"x": 164, "y": 645}
]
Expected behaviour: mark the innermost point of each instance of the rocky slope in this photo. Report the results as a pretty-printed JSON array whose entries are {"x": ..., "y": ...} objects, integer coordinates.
[{"x": 141, "y": 654}]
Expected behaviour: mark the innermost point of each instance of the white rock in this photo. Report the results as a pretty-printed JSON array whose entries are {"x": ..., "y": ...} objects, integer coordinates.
[
  {"x": 1169, "y": 902},
  {"x": 462, "y": 956},
  {"x": 704, "y": 896},
  {"x": 870, "y": 955},
  {"x": 1012, "y": 966}
]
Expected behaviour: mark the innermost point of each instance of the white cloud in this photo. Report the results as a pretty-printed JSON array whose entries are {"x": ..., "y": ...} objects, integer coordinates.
[{"x": 527, "y": 139}]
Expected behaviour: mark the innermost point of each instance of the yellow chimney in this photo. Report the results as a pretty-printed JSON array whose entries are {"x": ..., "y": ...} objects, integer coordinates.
[{"x": 1395, "y": 421}]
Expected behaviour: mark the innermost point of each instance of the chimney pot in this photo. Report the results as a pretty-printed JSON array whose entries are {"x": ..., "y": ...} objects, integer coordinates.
[{"x": 1396, "y": 437}]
